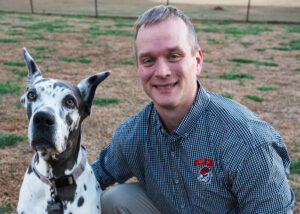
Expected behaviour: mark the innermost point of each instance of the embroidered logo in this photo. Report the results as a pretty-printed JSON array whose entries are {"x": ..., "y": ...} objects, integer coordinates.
[{"x": 204, "y": 175}]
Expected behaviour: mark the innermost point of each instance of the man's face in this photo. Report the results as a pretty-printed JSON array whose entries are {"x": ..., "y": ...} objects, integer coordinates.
[{"x": 167, "y": 68}]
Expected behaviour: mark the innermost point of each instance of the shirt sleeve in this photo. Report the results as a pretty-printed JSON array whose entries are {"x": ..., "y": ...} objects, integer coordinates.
[
  {"x": 261, "y": 184},
  {"x": 112, "y": 165}
]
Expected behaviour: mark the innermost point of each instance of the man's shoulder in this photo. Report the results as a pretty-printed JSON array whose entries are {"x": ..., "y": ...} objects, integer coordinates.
[
  {"x": 242, "y": 122},
  {"x": 137, "y": 122}
]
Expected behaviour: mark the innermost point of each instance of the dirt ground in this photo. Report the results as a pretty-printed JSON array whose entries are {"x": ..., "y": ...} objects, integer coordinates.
[{"x": 280, "y": 107}]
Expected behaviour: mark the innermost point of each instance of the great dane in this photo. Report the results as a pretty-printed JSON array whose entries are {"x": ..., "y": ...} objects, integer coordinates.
[{"x": 59, "y": 178}]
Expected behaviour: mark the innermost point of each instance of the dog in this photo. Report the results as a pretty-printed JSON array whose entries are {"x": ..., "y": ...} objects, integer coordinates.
[{"x": 59, "y": 178}]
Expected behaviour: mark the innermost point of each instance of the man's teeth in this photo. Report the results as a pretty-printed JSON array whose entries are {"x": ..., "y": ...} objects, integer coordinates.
[{"x": 167, "y": 86}]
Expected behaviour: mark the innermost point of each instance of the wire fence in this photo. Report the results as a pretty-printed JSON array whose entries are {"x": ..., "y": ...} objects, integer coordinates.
[{"x": 233, "y": 10}]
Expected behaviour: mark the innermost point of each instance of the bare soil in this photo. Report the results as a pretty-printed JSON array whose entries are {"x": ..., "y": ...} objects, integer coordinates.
[{"x": 110, "y": 52}]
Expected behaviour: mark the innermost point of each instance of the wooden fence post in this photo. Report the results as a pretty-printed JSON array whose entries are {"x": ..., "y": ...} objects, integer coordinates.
[
  {"x": 248, "y": 10},
  {"x": 31, "y": 6},
  {"x": 96, "y": 8},
  {"x": 167, "y": 2}
]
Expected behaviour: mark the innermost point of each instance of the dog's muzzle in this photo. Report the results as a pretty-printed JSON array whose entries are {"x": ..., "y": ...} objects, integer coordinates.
[{"x": 43, "y": 131}]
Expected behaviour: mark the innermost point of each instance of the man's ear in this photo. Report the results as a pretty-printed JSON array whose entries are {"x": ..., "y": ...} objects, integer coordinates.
[
  {"x": 87, "y": 88},
  {"x": 199, "y": 58},
  {"x": 33, "y": 70}
]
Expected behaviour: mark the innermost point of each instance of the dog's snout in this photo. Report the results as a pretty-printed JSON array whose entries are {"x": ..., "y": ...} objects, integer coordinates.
[{"x": 43, "y": 119}]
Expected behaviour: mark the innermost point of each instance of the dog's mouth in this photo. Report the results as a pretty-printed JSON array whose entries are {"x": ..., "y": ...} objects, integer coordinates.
[{"x": 43, "y": 146}]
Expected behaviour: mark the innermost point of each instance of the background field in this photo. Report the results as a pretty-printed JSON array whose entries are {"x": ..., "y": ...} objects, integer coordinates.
[
  {"x": 255, "y": 64},
  {"x": 260, "y": 10}
]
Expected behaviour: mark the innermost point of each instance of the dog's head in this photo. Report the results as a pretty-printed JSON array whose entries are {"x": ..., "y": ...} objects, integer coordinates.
[{"x": 55, "y": 108}]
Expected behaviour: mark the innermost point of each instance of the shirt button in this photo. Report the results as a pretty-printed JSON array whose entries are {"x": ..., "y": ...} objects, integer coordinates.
[
  {"x": 182, "y": 206},
  {"x": 173, "y": 154},
  {"x": 186, "y": 134},
  {"x": 176, "y": 181}
]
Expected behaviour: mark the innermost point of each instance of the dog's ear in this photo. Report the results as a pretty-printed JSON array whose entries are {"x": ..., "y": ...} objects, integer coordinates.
[
  {"x": 87, "y": 88},
  {"x": 33, "y": 70}
]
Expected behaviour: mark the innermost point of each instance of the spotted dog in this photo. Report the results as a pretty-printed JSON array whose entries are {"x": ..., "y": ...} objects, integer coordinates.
[{"x": 59, "y": 178}]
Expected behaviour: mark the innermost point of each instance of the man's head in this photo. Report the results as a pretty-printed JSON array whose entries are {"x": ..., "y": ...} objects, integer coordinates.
[
  {"x": 168, "y": 57},
  {"x": 161, "y": 13}
]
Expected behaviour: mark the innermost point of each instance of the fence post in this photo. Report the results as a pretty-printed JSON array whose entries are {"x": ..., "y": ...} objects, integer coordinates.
[
  {"x": 31, "y": 6},
  {"x": 96, "y": 8},
  {"x": 248, "y": 10},
  {"x": 167, "y": 2}
]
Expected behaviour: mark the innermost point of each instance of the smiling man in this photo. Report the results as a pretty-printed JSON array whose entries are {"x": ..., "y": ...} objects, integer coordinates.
[{"x": 192, "y": 151}]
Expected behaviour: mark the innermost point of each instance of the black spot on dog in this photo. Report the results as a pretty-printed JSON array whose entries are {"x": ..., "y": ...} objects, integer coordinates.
[
  {"x": 84, "y": 186},
  {"x": 29, "y": 110},
  {"x": 36, "y": 159},
  {"x": 80, "y": 201},
  {"x": 42, "y": 88},
  {"x": 42, "y": 80},
  {"x": 53, "y": 95},
  {"x": 98, "y": 207},
  {"x": 29, "y": 170},
  {"x": 92, "y": 79},
  {"x": 69, "y": 120}
]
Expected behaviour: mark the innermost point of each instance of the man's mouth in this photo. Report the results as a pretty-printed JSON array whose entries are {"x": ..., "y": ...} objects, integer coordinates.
[{"x": 166, "y": 86}]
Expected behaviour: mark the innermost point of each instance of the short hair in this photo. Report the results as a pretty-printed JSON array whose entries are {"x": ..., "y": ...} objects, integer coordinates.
[{"x": 160, "y": 13}]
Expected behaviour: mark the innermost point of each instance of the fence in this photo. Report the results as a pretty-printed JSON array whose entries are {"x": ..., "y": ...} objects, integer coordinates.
[{"x": 237, "y": 10}]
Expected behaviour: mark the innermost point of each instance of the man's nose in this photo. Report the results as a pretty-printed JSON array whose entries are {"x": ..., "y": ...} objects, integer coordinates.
[{"x": 162, "y": 69}]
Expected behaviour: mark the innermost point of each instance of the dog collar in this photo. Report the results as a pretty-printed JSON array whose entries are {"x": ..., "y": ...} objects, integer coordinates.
[{"x": 63, "y": 180}]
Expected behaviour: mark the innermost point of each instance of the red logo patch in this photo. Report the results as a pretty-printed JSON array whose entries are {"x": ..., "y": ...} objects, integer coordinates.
[{"x": 204, "y": 161}]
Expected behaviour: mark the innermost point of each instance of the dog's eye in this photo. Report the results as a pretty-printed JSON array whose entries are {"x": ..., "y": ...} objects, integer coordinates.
[
  {"x": 70, "y": 102},
  {"x": 31, "y": 95}
]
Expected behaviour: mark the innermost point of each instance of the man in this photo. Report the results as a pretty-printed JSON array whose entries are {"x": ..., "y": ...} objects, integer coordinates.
[{"x": 192, "y": 151}]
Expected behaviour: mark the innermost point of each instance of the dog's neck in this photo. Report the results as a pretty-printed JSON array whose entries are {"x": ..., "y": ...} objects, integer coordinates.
[{"x": 63, "y": 163}]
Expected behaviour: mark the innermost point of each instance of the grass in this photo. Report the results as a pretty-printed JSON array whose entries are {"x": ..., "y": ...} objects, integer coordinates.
[
  {"x": 15, "y": 33},
  {"x": 10, "y": 40},
  {"x": 69, "y": 59},
  {"x": 246, "y": 44},
  {"x": 44, "y": 48},
  {"x": 229, "y": 96},
  {"x": 233, "y": 76},
  {"x": 249, "y": 29},
  {"x": 7, "y": 207},
  {"x": 53, "y": 26},
  {"x": 266, "y": 88},
  {"x": 9, "y": 88},
  {"x": 35, "y": 36},
  {"x": 260, "y": 49},
  {"x": 39, "y": 56},
  {"x": 292, "y": 45},
  {"x": 105, "y": 101},
  {"x": 295, "y": 166},
  {"x": 7, "y": 139},
  {"x": 20, "y": 73},
  {"x": 127, "y": 62},
  {"x": 12, "y": 63},
  {"x": 95, "y": 31},
  {"x": 247, "y": 61},
  {"x": 213, "y": 41},
  {"x": 208, "y": 30},
  {"x": 254, "y": 97}
]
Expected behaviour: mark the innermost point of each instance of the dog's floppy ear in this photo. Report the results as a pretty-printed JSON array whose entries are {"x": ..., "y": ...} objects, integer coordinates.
[
  {"x": 33, "y": 70},
  {"x": 87, "y": 88}
]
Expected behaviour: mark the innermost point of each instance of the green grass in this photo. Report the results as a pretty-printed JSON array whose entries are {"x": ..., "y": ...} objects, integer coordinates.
[
  {"x": 44, "y": 48},
  {"x": 53, "y": 26},
  {"x": 297, "y": 57},
  {"x": 127, "y": 62},
  {"x": 39, "y": 56},
  {"x": 260, "y": 49},
  {"x": 15, "y": 33},
  {"x": 7, "y": 139},
  {"x": 105, "y": 101},
  {"x": 229, "y": 96},
  {"x": 265, "y": 88},
  {"x": 18, "y": 64},
  {"x": 292, "y": 28},
  {"x": 254, "y": 97},
  {"x": 292, "y": 45},
  {"x": 295, "y": 166},
  {"x": 9, "y": 88},
  {"x": 7, "y": 207},
  {"x": 35, "y": 36},
  {"x": 247, "y": 61},
  {"x": 213, "y": 41},
  {"x": 95, "y": 31},
  {"x": 246, "y": 44},
  {"x": 208, "y": 30},
  {"x": 20, "y": 73},
  {"x": 233, "y": 76},
  {"x": 69, "y": 59},
  {"x": 248, "y": 29},
  {"x": 10, "y": 40}
]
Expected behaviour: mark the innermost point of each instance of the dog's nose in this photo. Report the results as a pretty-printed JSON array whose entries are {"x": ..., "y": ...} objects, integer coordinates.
[{"x": 43, "y": 119}]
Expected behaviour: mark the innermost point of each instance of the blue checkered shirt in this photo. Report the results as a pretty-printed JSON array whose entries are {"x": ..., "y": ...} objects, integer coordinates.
[{"x": 222, "y": 158}]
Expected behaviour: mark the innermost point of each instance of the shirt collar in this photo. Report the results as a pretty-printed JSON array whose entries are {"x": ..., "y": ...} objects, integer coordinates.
[{"x": 190, "y": 119}]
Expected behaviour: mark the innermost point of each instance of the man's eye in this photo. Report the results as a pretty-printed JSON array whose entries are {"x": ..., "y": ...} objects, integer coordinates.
[
  {"x": 70, "y": 102},
  {"x": 174, "y": 57},
  {"x": 147, "y": 61},
  {"x": 31, "y": 95}
]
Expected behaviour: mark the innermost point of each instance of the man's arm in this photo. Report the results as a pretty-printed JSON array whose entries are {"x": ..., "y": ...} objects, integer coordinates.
[{"x": 261, "y": 185}]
